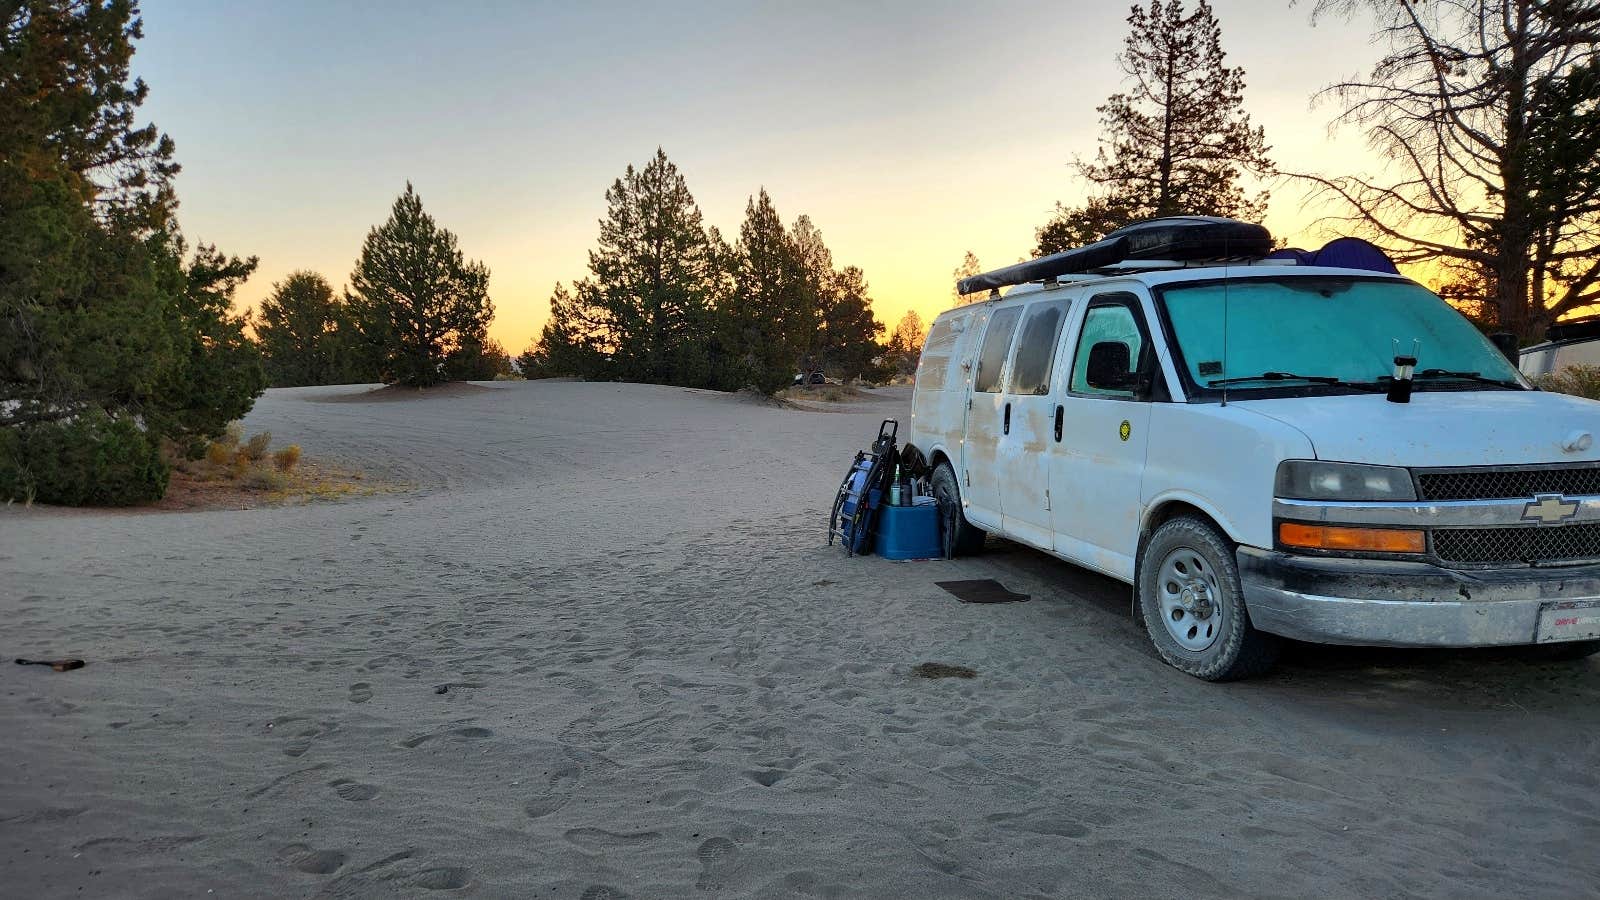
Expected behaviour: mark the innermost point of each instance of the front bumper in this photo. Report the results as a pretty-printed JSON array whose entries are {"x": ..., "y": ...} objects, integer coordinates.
[{"x": 1333, "y": 600}]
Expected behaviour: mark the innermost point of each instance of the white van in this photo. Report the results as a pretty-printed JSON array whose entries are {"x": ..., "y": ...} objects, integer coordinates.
[
  {"x": 1570, "y": 344},
  {"x": 1229, "y": 439}
]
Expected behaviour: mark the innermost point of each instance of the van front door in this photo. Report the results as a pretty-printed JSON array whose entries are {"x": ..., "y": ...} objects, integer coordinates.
[
  {"x": 1027, "y": 422},
  {"x": 980, "y": 489},
  {"x": 1097, "y": 464}
]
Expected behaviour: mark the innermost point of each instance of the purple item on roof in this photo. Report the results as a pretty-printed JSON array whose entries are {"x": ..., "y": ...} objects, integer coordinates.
[{"x": 1340, "y": 253}]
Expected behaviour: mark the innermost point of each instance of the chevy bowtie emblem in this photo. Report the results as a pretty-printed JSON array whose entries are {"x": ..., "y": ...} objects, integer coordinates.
[{"x": 1549, "y": 509}]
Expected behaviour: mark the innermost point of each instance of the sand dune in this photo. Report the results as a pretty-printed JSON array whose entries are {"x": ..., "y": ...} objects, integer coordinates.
[{"x": 657, "y": 681}]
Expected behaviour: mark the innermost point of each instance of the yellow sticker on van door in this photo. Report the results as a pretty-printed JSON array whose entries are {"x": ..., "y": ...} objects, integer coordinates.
[{"x": 1125, "y": 429}]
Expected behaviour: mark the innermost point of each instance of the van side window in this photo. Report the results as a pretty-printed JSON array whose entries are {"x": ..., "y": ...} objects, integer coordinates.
[
  {"x": 935, "y": 362},
  {"x": 1110, "y": 323},
  {"x": 1036, "y": 349},
  {"x": 996, "y": 342}
]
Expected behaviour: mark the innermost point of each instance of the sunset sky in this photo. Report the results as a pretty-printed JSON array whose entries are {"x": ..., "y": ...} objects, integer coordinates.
[{"x": 910, "y": 132}]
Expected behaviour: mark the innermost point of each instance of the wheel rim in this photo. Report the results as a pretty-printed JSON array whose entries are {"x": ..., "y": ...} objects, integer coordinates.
[
  {"x": 1191, "y": 606},
  {"x": 948, "y": 511}
]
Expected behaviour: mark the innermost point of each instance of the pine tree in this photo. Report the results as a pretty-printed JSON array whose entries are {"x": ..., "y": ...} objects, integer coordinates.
[
  {"x": 768, "y": 322},
  {"x": 849, "y": 328},
  {"x": 478, "y": 358},
  {"x": 216, "y": 372},
  {"x": 416, "y": 299},
  {"x": 113, "y": 338},
  {"x": 1177, "y": 141},
  {"x": 571, "y": 344},
  {"x": 644, "y": 314},
  {"x": 650, "y": 275},
  {"x": 815, "y": 262},
  {"x": 839, "y": 332},
  {"x": 306, "y": 334}
]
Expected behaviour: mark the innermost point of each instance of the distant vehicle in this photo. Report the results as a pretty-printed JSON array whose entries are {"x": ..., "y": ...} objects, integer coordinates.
[
  {"x": 1236, "y": 439},
  {"x": 816, "y": 378},
  {"x": 1575, "y": 343}
]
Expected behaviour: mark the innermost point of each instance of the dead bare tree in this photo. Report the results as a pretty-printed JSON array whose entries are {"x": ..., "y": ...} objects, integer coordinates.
[{"x": 1488, "y": 112}]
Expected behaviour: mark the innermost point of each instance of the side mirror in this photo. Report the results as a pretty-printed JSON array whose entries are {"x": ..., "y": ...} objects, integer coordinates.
[
  {"x": 1109, "y": 365},
  {"x": 1507, "y": 344}
]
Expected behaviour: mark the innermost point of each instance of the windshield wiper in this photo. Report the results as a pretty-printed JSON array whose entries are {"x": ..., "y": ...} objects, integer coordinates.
[
  {"x": 1290, "y": 376},
  {"x": 1433, "y": 374}
]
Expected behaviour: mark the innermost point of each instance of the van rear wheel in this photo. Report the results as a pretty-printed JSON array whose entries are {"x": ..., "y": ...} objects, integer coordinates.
[
  {"x": 1193, "y": 606},
  {"x": 958, "y": 536}
]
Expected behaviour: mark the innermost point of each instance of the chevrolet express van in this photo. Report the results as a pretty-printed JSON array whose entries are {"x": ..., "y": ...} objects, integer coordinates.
[{"x": 1229, "y": 439}]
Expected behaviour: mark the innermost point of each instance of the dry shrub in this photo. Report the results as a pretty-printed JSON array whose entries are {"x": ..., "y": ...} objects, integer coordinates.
[
  {"x": 265, "y": 480},
  {"x": 218, "y": 453},
  {"x": 255, "y": 449},
  {"x": 1580, "y": 381},
  {"x": 286, "y": 458},
  {"x": 232, "y": 435}
]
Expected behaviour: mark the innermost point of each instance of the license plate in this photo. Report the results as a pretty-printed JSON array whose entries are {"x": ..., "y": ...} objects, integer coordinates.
[{"x": 1568, "y": 620}]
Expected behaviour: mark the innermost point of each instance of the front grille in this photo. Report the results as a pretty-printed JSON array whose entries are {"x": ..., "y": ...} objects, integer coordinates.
[
  {"x": 1509, "y": 483},
  {"x": 1522, "y": 544}
]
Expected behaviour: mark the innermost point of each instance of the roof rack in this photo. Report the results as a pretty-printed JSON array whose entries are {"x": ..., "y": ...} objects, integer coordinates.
[
  {"x": 1171, "y": 240},
  {"x": 1153, "y": 265}
]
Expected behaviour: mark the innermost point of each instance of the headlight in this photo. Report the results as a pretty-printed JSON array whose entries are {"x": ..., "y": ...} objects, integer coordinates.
[{"x": 1310, "y": 479}]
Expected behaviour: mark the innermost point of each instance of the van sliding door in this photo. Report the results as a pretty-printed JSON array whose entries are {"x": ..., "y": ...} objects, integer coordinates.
[
  {"x": 1027, "y": 424},
  {"x": 980, "y": 448}
]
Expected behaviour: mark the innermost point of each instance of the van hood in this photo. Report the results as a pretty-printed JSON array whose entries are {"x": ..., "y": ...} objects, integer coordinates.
[{"x": 1442, "y": 428}]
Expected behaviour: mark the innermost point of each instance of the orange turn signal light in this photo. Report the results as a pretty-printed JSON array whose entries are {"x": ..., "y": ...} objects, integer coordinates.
[{"x": 1335, "y": 537}]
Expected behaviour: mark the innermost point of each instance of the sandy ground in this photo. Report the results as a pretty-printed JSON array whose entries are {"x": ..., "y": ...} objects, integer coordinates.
[{"x": 661, "y": 683}]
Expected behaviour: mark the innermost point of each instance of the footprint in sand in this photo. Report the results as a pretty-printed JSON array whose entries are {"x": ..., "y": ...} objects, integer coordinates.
[
  {"x": 312, "y": 862},
  {"x": 353, "y": 791},
  {"x": 601, "y": 839},
  {"x": 470, "y": 733},
  {"x": 301, "y": 743},
  {"x": 360, "y": 692},
  {"x": 650, "y": 694},
  {"x": 563, "y": 782},
  {"x": 716, "y": 861},
  {"x": 447, "y": 878}
]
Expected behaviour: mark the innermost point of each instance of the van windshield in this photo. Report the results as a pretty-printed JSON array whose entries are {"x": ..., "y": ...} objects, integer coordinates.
[{"x": 1340, "y": 334}]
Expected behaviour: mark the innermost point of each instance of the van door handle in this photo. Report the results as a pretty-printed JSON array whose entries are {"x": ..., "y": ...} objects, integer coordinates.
[
  {"x": 1006, "y": 428},
  {"x": 1060, "y": 410}
]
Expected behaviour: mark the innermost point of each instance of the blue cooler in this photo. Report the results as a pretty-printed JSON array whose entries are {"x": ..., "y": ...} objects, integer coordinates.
[{"x": 909, "y": 532}]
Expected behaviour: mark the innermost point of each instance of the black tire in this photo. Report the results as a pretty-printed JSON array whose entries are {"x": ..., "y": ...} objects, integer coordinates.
[
  {"x": 1235, "y": 649},
  {"x": 959, "y": 537},
  {"x": 1566, "y": 651}
]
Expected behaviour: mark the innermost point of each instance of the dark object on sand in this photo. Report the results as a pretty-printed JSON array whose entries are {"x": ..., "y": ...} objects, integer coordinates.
[
  {"x": 442, "y": 689},
  {"x": 60, "y": 665},
  {"x": 982, "y": 590},
  {"x": 942, "y": 670},
  {"x": 855, "y": 507}
]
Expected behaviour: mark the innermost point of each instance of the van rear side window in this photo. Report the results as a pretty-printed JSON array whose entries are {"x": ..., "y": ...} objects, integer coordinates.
[
  {"x": 934, "y": 368},
  {"x": 996, "y": 342},
  {"x": 1036, "y": 349}
]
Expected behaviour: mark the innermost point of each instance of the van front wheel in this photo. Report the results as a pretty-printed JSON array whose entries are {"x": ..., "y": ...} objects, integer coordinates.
[
  {"x": 1193, "y": 606},
  {"x": 958, "y": 536}
]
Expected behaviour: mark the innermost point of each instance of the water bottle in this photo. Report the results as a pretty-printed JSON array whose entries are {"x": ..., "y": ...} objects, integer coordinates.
[{"x": 894, "y": 487}]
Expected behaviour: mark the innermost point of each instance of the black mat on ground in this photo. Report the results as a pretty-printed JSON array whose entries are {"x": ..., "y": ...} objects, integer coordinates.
[{"x": 982, "y": 590}]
